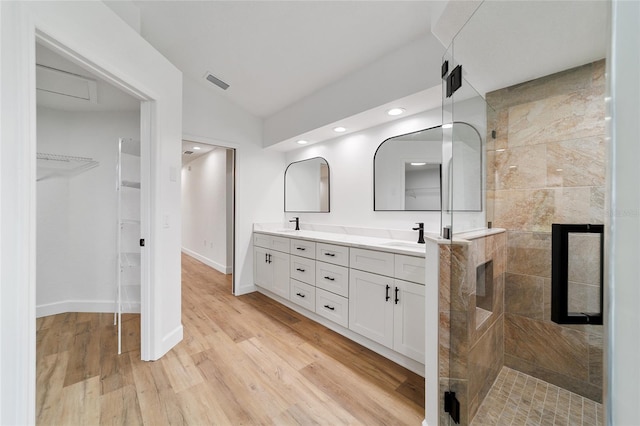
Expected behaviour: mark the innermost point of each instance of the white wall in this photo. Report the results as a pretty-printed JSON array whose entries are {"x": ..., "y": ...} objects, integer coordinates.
[
  {"x": 623, "y": 247},
  {"x": 210, "y": 118},
  {"x": 77, "y": 216},
  {"x": 93, "y": 33},
  {"x": 204, "y": 209}
]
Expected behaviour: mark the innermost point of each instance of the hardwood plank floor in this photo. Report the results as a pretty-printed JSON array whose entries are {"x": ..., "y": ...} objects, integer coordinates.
[{"x": 243, "y": 360}]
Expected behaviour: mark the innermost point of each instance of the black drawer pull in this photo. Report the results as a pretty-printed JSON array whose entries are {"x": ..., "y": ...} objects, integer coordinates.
[
  {"x": 330, "y": 254},
  {"x": 330, "y": 307},
  {"x": 299, "y": 269},
  {"x": 397, "y": 290},
  {"x": 300, "y": 294},
  {"x": 387, "y": 297},
  {"x": 329, "y": 278},
  {"x": 300, "y": 248}
]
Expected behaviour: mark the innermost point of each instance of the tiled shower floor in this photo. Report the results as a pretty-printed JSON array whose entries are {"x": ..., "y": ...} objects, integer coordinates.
[{"x": 519, "y": 399}]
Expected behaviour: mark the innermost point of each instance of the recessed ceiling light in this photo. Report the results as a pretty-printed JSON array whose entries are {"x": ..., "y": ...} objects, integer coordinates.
[
  {"x": 196, "y": 147},
  {"x": 447, "y": 126},
  {"x": 339, "y": 129},
  {"x": 418, "y": 164},
  {"x": 395, "y": 111},
  {"x": 302, "y": 142}
]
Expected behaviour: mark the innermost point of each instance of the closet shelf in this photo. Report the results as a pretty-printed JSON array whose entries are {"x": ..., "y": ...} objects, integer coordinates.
[
  {"x": 129, "y": 221},
  {"x": 130, "y": 146},
  {"x": 52, "y": 165},
  {"x": 129, "y": 260},
  {"x": 131, "y": 184}
]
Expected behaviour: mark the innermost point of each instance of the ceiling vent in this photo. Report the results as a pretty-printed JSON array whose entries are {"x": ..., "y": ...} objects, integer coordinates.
[
  {"x": 64, "y": 83},
  {"x": 188, "y": 152},
  {"x": 215, "y": 80}
]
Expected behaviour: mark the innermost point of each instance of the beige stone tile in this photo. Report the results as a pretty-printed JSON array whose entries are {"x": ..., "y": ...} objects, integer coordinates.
[
  {"x": 584, "y": 258},
  {"x": 596, "y": 360},
  {"x": 596, "y": 205},
  {"x": 578, "y": 162},
  {"x": 529, "y": 253},
  {"x": 548, "y": 345},
  {"x": 583, "y": 297},
  {"x": 598, "y": 76},
  {"x": 558, "y": 118},
  {"x": 486, "y": 358},
  {"x": 497, "y": 120},
  {"x": 572, "y": 205},
  {"x": 525, "y": 209},
  {"x": 524, "y": 295},
  {"x": 444, "y": 342},
  {"x": 521, "y": 167}
]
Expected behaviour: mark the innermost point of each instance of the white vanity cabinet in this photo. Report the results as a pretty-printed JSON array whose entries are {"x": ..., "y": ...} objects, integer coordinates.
[
  {"x": 271, "y": 263},
  {"x": 385, "y": 309}
]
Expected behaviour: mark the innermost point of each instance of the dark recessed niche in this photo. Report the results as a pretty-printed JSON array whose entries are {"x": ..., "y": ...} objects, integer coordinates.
[{"x": 484, "y": 286}]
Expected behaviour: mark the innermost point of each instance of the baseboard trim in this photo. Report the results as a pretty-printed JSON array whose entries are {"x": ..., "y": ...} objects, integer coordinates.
[
  {"x": 215, "y": 265},
  {"x": 93, "y": 306}
]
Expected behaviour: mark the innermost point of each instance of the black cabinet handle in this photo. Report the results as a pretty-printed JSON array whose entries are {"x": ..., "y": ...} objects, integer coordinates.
[
  {"x": 269, "y": 257},
  {"x": 300, "y": 294},
  {"x": 397, "y": 300},
  {"x": 266, "y": 258},
  {"x": 329, "y": 278},
  {"x": 300, "y": 248},
  {"x": 387, "y": 297},
  {"x": 330, "y": 307},
  {"x": 330, "y": 254},
  {"x": 299, "y": 269}
]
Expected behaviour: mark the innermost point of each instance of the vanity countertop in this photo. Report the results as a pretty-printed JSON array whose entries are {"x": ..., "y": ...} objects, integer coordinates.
[
  {"x": 372, "y": 243},
  {"x": 401, "y": 245}
]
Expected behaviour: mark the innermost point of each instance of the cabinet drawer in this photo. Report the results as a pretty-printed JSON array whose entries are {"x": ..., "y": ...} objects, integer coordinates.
[
  {"x": 332, "y": 278},
  {"x": 377, "y": 262},
  {"x": 410, "y": 268},
  {"x": 330, "y": 253},
  {"x": 303, "y": 294},
  {"x": 332, "y": 307},
  {"x": 271, "y": 242},
  {"x": 303, "y": 248},
  {"x": 303, "y": 269}
]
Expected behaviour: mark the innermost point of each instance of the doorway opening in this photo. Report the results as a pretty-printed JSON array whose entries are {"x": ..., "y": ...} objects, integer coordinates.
[{"x": 208, "y": 205}]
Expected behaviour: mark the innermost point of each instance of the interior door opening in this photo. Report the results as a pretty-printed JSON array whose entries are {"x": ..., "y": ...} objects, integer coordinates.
[{"x": 208, "y": 205}]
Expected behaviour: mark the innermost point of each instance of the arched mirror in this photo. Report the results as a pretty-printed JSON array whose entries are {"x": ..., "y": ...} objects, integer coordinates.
[
  {"x": 408, "y": 172},
  {"x": 306, "y": 186}
]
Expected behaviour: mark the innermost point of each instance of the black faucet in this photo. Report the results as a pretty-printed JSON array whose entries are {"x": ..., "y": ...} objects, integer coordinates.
[
  {"x": 297, "y": 221},
  {"x": 420, "y": 230}
]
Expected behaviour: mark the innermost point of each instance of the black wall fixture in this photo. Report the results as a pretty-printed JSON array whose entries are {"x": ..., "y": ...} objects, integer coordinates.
[{"x": 560, "y": 274}]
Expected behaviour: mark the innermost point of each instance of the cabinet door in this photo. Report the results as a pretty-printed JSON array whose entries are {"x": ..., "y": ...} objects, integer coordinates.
[
  {"x": 262, "y": 275},
  {"x": 370, "y": 313},
  {"x": 280, "y": 269},
  {"x": 409, "y": 326}
]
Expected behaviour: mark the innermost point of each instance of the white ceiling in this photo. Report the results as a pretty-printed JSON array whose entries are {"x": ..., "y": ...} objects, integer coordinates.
[
  {"x": 196, "y": 150},
  {"x": 273, "y": 53}
]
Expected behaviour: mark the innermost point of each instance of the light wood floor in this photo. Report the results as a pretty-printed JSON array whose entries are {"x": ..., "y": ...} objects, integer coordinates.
[{"x": 243, "y": 360}]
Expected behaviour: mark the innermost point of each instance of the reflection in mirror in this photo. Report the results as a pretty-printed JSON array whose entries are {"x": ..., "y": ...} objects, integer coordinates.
[
  {"x": 408, "y": 171},
  {"x": 306, "y": 186}
]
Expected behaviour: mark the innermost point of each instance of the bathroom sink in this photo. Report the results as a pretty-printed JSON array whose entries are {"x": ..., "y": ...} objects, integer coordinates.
[{"x": 405, "y": 244}]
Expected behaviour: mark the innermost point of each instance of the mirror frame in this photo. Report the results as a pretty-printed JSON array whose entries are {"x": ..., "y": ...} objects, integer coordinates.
[
  {"x": 328, "y": 187},
  {"x": 443, "y": 206}
]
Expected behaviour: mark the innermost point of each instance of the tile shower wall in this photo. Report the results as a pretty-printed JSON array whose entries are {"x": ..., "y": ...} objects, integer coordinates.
[
  {"x": 547, "y": 165},
  {"x": 471, "y": 338}
]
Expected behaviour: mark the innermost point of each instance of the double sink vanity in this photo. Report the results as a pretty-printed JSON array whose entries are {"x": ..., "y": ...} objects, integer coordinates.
[{"x": 371, "y": 290}]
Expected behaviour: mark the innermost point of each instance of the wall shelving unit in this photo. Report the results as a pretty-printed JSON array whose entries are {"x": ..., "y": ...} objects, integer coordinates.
[
  {"x": 54, "y": 165},
  {"x": 128, "y": 241}
]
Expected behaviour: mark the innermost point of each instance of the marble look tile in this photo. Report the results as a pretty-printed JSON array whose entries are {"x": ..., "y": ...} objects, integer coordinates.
[
  {"x": 564, "y": 117},
  {"x": 486, "y": 358},
  {"x": 584, "y": 258},
  {"x": 444, "y": 333},
  {"x": 459, "y": 345},
  {"x": 598, "y": 76},
  {"x": 572, "y": 205},
  {"x": 552, "y": 85},
  {"x": 596, "y": 205},
  {"x": 529, "y": 253},
  {"x": 444, "y": 288},
  {"x": 596, "y": 360},
  {"x": 521, "y": 167},
  {"x": 578, "y": 162},
  {"x": 524, "y": 295},
  {"x": 583, "y": 297},
  {"x": 497, "y": 120},
  {"x": 563, "y": 381},
  {"x": 530, "y": 340},
  {"x": 462, "y": 278},
  {"x": 524, "y": 209}
]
